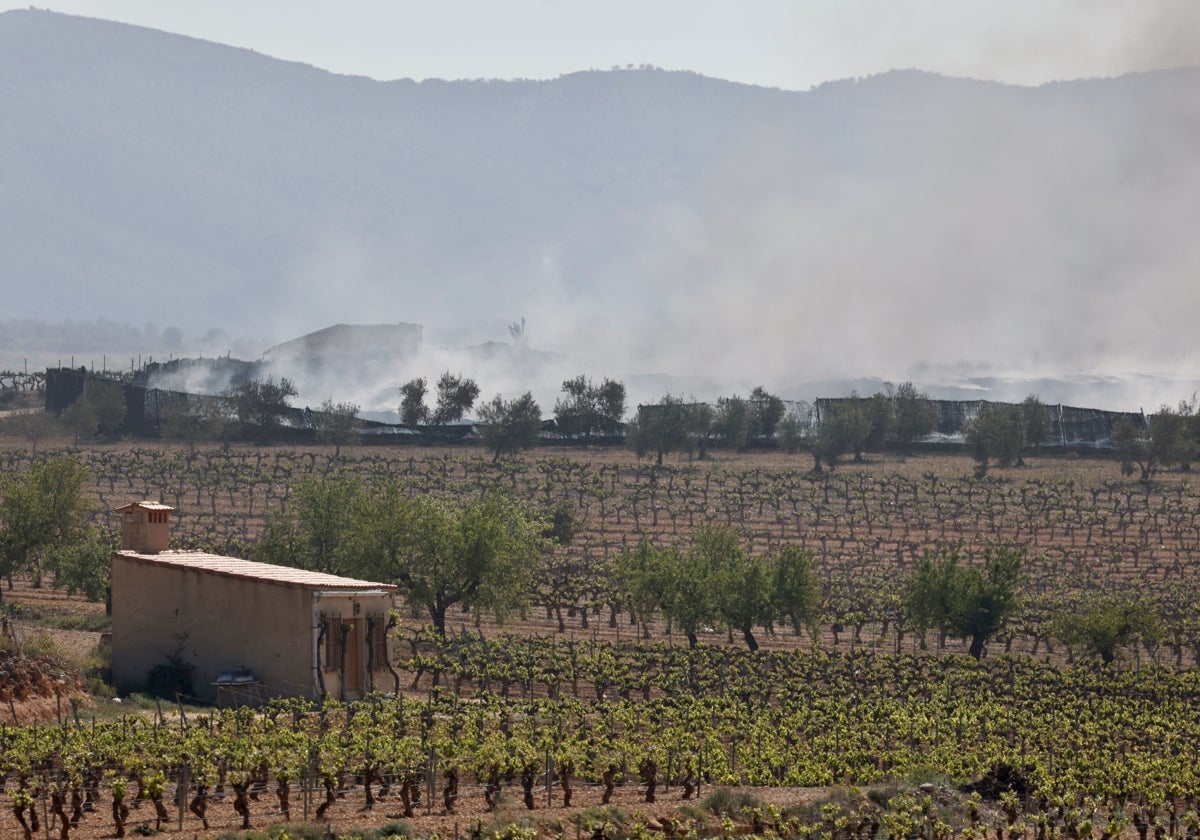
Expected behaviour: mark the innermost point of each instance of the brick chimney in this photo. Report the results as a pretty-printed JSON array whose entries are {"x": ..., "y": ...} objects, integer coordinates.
[{"x": 145, "y": 527}]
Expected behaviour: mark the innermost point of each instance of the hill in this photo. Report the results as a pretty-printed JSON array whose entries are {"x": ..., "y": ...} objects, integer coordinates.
[{"x": 643, "y": 221}]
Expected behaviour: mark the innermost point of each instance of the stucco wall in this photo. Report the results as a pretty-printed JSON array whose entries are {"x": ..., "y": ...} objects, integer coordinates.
[
  {"x": 224, "y": 623},
  {"x": 227, "y": 623}
]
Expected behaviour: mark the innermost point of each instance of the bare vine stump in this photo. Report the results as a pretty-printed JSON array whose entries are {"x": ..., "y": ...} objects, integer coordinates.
[
  {"x": 160, "y": 812},
  {"x": 199, "y": 805},
  {"x": 528, "y": 776},
  {"x": 609, "y": 784},
  {"x": 283, "y": 792},
  {"x": 76, "y": 806},
  {"x": 120, "y": 812},
  {"x": 491, "y": 791},
  {"x": 330, "y": 798},
  {"x": 57, "y": 805},
  {"x": 368, "y": 778},
  {"x": 649, "y": 774},
  {"x": 450, "y": 792},
  {"x": 564, "y": 781},
  {"x": 406, "y": 798},
  {"x": 19, "y": 813},
  {"x": 241, "y": 803}
]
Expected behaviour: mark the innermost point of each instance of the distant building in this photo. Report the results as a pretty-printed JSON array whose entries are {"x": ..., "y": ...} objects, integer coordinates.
[{"x": 253, "y": 629}]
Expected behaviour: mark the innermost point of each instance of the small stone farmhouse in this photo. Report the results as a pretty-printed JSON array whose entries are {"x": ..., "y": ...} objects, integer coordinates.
[{"x": 243, "y": 629}]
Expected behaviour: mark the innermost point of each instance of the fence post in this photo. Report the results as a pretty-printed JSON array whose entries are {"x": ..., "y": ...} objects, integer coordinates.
[{"x": 181, "y": 792}]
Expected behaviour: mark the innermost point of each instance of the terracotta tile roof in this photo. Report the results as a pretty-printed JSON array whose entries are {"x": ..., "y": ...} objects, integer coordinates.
[
  {"x": 249, "y": 569},
  {"x": 146, "y": 506}
]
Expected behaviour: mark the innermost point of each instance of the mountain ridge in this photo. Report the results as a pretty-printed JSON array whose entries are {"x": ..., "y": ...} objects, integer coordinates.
[{"x": 645, "y": 220}]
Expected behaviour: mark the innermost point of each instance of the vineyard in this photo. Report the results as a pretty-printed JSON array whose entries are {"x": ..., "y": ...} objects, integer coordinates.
[
  {"x": 1079, "y": 752},
  {"x": 582, "y": 707},
  {"x": 1086, "y": 528}
]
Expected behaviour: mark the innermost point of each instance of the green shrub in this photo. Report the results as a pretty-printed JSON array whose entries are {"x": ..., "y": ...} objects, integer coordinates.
[
  {"x": 725, "y": 802},
  {"x": 170, "y": 678}
]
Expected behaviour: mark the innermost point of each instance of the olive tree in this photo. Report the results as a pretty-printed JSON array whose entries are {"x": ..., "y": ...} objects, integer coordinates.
[
  {"x": 482, "y": 554},
  {"x": 1039, "y": 422},
  {"x": 670, "y": 425},
  {"x": 766, "y": 410},
  {"x": 961, "y": 601},
  {"x": 731, "y": 422},
  {"x": 41, "y": 511},
  {"x": 1132, "y": 445},
  {"x": 914, "y": 415},
  {"x": 456, "y": 395},
  {"x": 997, "y": 433},
  {"x": 412, "y": 402},
  {"x": 586, "y": 409},
  {"x": 336, "y": 423},
  {"x": 318, "y": 529},
  {"x": 260, "y": 404},
  {"x": 1105, "y": 623},
  {"x": 508, "y": 426}
]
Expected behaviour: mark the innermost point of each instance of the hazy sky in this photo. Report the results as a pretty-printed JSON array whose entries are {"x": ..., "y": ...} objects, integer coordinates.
[{"x": 791, "y": 44}]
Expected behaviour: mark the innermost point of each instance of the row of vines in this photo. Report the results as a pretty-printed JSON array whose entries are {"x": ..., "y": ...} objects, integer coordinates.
[
  {"x": 1084, "y": 529},
  {"x": 1094, "y": 750}
]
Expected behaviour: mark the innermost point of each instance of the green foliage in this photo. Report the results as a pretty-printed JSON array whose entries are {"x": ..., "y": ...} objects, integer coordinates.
[
  {"x": 881, "y": 415},
  {"x": 41, "y": 511},
  {"x": 963, "y": 601},
  {"x": 671, "y": 425},
  {"x": 1132, "y": 446},
  {"x": 1173, "y": 436},
  {"x": 260, "y": 404},
  {"x": 716, "y": 581},
  {"x": 642, "y": 575},
  {"x": 456, "y": 394},
  {"x": 914, "y": 415},
  {"x": 508, "y": 426},
  {"x": 796, "y": 593},
  {"x": 845, "y": 428},
  {"x": 82, "y": 566},
  {"x": 412, "y": 402},
  {"x": 996, "y": 432},
  {"x": 586, "y": 409},
  {"x": 766, "y": 410},
  {"x": 336, "y": 423},
  {"x": 1038, "y": 421},
  {"x": 1103, "y": 624},
  {"x": 562, "y": 523},
  {"x": 731, "y": 422},
  {"x": 482, "y": 553},
  {"x": 853, "y": 425},
  {"x": 319, "y": 529},
  {"x": 1169, "y": 438},
  {"x": 728, "y": 803},
  {"x": 689, "y": 600},
  {"x": 740, "y": 585},
  {"x": 99, "y": 410}
]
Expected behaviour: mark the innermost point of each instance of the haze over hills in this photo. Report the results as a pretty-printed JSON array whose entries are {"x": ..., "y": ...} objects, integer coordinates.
[{"x": 645, "y": 223}]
